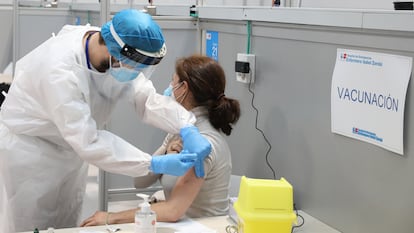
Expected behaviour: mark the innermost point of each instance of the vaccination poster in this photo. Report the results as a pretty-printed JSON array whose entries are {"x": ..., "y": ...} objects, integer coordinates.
[
  {"x": 368, "y": 97},
  {"x": 212, "y": 44}
]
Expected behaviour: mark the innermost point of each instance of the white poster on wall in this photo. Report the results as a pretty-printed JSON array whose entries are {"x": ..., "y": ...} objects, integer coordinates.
[{"x": 368, "y": 97}]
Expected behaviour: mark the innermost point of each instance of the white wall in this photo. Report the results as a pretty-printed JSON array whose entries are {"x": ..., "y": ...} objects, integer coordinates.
[
  {"x": 238, "y": 2},
  {"x": 350, "y": 4},
  {"x": 353, "y": 186},
  {"x": 6, "y": 38},
  {"x": 158, "y": 2},
  {"x": 356, "y": 4}
]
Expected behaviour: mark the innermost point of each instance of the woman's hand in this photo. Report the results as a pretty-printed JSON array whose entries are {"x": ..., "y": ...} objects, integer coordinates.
[
  {"x": 175, "y": 145},
  {"x": 98, "y": 218}
]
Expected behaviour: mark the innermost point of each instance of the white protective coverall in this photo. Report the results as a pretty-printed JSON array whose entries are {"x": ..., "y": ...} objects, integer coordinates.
[
  {"x": 52, "y": 122},
  {"x": 6, "y": 222}
]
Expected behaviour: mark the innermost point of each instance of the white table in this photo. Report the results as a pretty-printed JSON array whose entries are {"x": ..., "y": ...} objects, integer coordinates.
[{"x": 217, "y": 224}]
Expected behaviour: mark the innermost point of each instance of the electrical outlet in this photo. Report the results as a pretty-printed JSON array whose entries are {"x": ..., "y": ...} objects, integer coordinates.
[{"x": 250, "y": 75}]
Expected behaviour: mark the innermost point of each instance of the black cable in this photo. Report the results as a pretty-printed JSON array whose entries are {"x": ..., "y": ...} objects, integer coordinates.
[
  {"x": 298, "y": 215},
  {"x": 261, "y": 131}
]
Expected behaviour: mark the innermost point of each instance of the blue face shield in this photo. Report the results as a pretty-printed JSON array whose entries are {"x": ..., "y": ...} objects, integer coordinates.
[{"x": 135, "y": 41}]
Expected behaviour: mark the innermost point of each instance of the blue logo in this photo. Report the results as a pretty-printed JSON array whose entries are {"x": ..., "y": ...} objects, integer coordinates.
[
  {"x": 359, "y": 59},
  {"x": 366, "y": 133}
]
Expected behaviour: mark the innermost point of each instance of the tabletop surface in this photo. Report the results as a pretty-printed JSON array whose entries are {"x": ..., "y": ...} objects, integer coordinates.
[{"x": 205, "y": 225}]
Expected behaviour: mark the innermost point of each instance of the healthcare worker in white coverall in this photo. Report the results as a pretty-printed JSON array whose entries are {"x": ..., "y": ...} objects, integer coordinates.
[{"x": 61, "y": 97}]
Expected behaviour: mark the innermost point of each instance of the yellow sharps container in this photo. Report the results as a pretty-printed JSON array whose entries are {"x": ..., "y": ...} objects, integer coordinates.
[{"x": 265, "y": 206}]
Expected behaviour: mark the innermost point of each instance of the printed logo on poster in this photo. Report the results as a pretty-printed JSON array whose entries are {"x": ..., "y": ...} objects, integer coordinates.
[
  {"x": 366, "y": 134},
  {"x": 360, "y": 59}
]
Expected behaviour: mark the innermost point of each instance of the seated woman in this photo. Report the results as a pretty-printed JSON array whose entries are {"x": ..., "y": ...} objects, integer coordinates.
[{"x": 198, "y": 84}]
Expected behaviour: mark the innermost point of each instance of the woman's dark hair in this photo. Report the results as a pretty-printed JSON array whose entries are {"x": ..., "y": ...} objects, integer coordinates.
[{"x": 207, "y": 81}]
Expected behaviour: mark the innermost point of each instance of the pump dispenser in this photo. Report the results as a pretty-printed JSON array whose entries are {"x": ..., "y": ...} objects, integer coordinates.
[{"x": 145, "y": 218}]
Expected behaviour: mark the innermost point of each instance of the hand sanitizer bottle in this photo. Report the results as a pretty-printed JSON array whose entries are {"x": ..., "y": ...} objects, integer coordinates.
[{"x": 145, "y": 218}]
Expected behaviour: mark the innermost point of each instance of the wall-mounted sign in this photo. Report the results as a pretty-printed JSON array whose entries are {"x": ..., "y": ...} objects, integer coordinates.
[
  {"x": 368, "y": 97},
  {"x": 212, "y": 44}
]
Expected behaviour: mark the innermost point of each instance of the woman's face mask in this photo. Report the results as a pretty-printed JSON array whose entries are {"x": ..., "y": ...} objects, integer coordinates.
[{"x": 169, "y": 91}]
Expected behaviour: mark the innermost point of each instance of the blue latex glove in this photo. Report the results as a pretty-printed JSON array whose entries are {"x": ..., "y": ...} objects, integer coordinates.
[
  {"x": 173, "y": 164},
  {"x": 194, "y": 142}
]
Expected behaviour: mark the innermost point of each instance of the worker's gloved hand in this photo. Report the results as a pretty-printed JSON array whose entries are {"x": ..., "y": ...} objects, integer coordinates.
[
  {"x": 173, "y": 164},
  {"x": 194, "y": 142}
]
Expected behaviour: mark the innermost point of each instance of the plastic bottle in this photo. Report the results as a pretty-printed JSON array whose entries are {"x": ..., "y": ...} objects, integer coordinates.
[{"x": 145, "y": 218}]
